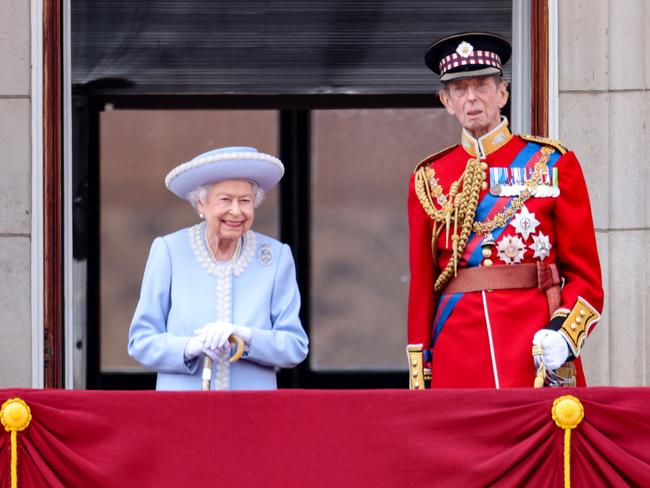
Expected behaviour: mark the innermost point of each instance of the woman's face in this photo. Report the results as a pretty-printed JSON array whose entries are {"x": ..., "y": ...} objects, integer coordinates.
[{"x": 228, "y": 208}]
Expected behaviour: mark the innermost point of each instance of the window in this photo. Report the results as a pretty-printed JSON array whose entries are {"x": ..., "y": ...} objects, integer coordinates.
[
  {"x": 337, "y": 89},
  {"x": 361, "y": 163}
]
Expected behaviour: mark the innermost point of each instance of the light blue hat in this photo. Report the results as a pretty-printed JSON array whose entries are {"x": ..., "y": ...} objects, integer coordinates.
[{"x": 226, "y": 163}]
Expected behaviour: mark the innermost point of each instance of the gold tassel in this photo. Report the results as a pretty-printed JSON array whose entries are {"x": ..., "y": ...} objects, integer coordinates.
[
  {"x": 16, "y": 416},
  {"x": 449, "y": 208},
  {"x": 539, "y": 378},
  {"x": 447, "y": 223},
  {"x": 567, "y": 412},
  {"x": 456, "y": 220},
  {"x": 454, "y": 243}
]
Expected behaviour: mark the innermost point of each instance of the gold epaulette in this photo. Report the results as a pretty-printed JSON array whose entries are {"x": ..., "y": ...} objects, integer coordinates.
[
  {"x": 545, "y": 140},
  {"x": 433, "y": 157}
]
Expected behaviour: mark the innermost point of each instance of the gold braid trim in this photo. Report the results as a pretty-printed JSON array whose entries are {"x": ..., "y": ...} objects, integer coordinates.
[
  {"x": 416, "y": 366},
  {"x": 576, "y": 326}
]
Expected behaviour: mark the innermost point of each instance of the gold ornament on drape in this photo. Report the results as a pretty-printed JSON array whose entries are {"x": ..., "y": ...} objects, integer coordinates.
[
  {"x": 567, "y": 412},
  {"x": 16, "y": 416}
]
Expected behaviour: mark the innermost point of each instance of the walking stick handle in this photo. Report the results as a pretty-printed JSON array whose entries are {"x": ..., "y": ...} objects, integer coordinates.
[{"x": 239, "y": 343}]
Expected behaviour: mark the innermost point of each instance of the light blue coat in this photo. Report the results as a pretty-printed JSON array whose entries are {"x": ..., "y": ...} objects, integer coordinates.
[{"x": 183, "y": 289}]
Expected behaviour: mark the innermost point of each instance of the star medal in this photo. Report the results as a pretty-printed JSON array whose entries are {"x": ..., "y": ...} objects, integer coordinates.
[
  {"x": 511, "y": 249},
  {"x": 542, "y": 246},
  {"x": 525, "y": 223}
]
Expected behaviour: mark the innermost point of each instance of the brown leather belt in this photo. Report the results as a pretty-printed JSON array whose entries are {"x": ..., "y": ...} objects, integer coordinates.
[{"x": 539, "y": 275}]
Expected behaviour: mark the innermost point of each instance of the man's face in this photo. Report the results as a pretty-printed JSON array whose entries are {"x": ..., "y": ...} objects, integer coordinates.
[{"x": 475, "y": 102}]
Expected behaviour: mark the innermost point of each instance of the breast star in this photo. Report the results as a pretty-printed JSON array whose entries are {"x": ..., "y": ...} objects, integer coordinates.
[
  {"x": 525, "y": 223},
  {"x": 542, "y": 246},
  {"x": 510, "y": 249}
]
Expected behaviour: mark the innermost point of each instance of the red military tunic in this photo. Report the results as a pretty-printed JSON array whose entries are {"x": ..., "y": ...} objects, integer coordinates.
[{"x": 484, "y": 339}]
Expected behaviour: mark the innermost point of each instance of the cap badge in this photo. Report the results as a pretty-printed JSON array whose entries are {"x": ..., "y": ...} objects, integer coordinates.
[{"x": 465, "y": 49}]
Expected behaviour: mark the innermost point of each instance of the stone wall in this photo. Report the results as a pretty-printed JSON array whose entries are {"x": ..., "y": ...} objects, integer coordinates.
[
  {"x": 15, "y": 194},
  {"x": 604, "y": 76}
]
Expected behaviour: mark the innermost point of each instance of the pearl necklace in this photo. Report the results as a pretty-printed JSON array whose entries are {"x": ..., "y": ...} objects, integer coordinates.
[{"x": 234, "y": 257}]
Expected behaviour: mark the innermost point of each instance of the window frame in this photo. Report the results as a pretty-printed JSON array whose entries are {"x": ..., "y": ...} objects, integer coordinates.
[{"x": 57, "y": 217}]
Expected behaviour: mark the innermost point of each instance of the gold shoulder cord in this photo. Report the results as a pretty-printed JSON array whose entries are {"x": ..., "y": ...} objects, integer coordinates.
[{"x": 461, "y": 204}]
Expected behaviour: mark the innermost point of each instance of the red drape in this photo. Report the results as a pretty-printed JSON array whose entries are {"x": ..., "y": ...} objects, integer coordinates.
[{"x": 316, "y": 438}]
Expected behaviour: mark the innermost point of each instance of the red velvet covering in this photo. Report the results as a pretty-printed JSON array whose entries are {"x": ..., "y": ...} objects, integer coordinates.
[{"x": 315, "y": 438}]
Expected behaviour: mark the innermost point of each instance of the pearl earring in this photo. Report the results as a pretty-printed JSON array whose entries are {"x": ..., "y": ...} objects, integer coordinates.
[{"x": 201, "y": 215}]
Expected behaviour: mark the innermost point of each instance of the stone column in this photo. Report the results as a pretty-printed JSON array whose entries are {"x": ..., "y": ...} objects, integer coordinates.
[
  {"x": 15, "y": 194},
  {"x": 604, "y": 75}
]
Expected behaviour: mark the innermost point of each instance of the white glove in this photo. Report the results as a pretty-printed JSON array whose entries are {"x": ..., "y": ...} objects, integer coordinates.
[
  {"x": 555, "y": 350},
  {"x": 195, "y": 347},
  {"x": 215, "y": 336}
]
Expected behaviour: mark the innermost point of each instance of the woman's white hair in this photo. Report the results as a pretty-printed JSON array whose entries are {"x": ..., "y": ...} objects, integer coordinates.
[{"x": 200, "y": 194}]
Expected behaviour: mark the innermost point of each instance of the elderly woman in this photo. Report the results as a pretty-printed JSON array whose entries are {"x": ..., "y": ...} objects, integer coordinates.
[{"x": 217, "y": 279}]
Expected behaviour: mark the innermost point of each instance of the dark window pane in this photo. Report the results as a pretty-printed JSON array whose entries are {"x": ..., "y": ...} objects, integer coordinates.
[{"x": 362, "y": 161}]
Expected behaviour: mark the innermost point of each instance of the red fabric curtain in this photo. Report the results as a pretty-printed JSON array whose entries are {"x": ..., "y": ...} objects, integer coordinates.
[{"x": 315, "y": 438}]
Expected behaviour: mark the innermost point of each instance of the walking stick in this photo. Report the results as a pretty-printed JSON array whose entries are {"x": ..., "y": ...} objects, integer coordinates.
[{"x": 207, "y": 362}]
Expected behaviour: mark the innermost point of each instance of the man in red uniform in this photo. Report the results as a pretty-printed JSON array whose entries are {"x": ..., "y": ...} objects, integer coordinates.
[{"x": 502, "y": 245}]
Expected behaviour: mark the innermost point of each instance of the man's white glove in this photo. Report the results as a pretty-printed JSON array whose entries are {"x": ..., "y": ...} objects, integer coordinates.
[
  {"x": 195, "y": 347},
  {"x": 216, "y": 334},
  {"x": 555, "y": 350}
]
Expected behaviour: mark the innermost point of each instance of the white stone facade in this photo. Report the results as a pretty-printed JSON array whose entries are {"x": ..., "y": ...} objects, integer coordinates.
[
  {"x": 15, "y": 194},
  {"x": 604, "y": 76}
]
